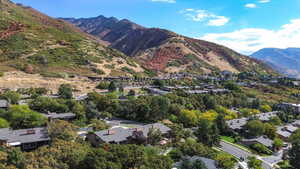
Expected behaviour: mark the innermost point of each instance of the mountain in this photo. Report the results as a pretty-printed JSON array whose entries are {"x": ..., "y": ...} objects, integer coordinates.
[
  {"x": 286, "y": 61},
  {"x": 36, "y": 43},
  {"x": 162, "y": 51}
]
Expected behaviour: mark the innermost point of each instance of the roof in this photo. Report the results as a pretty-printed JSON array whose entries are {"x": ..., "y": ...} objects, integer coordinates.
[
  {"x": 267, "y": 116},
  {"x": 282, "y": 132},
  {"x": 120, "y": 134},
  {"x": 24, "y": 135},
  {"x": 60, "y": 115},
  {"x": 209, "y": 163},
  {"x": 4, "y": 103},
  {"x": 262, "y": 140},
  {"x": 237, "y": 123}
]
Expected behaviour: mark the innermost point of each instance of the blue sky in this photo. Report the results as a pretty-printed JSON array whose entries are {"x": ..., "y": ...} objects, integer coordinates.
[{"x": 244, "y": 25}]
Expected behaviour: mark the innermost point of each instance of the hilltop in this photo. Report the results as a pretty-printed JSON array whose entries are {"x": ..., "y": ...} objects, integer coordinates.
[
  {"x": 35, "y": 43},
  {"x": 165, "y": 51}
]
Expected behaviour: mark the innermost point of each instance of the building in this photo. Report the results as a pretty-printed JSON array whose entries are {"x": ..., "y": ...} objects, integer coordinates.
[
  {"x": 26, "y": 139},
  {"x": 209, "y": 163},
  {"x": 261, "y": 140},
  {"x": 267, "y": 116},
  {"x": 121, "y": 135},
  {"x": 237, "y": 124},
  {"x": 289, "y": 107},
  {"x": 4, "y": 104},
  {"x": 60, "y": 116}
]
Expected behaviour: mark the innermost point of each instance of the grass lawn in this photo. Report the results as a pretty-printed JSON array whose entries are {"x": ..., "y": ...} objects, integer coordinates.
[{"x": 228, "y": 139}]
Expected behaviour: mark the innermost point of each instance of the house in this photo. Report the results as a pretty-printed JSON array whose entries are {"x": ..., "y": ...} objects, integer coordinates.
[
  {"x": 261, "y": 140},
  {"x": 158, "y": 91},
  {"x": 267, "y": 116},
  {"x": 26, "y": 139},
  {"x": 283, "y": 133},
  {"x": 121, "y": 135},
  {"x": 237, "y": 124},
  {"x": 289, "y": 107},
  {"x": 60, "y": 116},
  {"x": 4, "y": 104},
  {"x": 209, "y": 163}
]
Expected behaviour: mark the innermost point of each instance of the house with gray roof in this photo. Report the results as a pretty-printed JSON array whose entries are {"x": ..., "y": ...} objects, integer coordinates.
[
  {"x": 289, "y": 106},
  {"x": 27, "y": 139},
  {"x": 283, "y": 133},
  {"x": 267, "y": 116},
  {"x": 120, "y": 135},
  {"x": 261, "y": 140},
  {"x": 209, "y": 163},
  {"x": 237, "y": 124},
  {"x": 60, "y": 116},
  {"x": 4, "y": 104}
]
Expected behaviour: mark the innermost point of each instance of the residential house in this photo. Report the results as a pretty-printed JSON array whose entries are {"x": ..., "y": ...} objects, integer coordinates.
[
  {"x": 4, "y": 104},
  {"x": 121, "y": 135},
  {"x": 289, "y": 107},
  {"x": 261, "y": 140},
  {"x": 60, "y": 116},
  {"x": 237, "y": 124},
  {"x": 209, "y": 163},
  {"x": 26, "y": 139}
]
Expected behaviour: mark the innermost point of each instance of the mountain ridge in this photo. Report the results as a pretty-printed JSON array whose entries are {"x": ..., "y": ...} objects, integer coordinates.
[
  {"x": 165, "y": 51},
  {"x": 286, "y": 61}
]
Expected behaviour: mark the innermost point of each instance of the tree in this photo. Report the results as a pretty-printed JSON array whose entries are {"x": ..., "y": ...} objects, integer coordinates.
[
  {"x": 131, "y": 93},
  {"x": 3, "y": 123},
  {"x": 254, "y": 163},
  {"x": 154, "y": 136},
  {"x": 294, "y": 154},
  {"x": 265, "y": 108},
  {"x": 225, "y": 161},
  {"x": 12, "y": 97},
  {"x": 65, "y": 91},
  {"x": 277, "y": 144},
  {"x": 63, "y": 130},
  {"x": 255, "y": 128},
  {"x": 189, "y": 117},
  {"x": 188, "y": 164},
  {"x": 21, "y": 116},
  {"x": 159, "y": 83},
  {"x": 99, "y": 125},
  {"x": 208, "y": 133},
  {"x": 112, "y": 87},
  {"x": 209, "y": 102},
  {"x": 270, "y": 130}
]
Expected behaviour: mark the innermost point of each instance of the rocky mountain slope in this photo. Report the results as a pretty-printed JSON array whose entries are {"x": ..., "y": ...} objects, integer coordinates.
[
  {"x": 164, "y": 51},
  {"x": 286, "y": 61},
  {"x": 35, "y": 43}
]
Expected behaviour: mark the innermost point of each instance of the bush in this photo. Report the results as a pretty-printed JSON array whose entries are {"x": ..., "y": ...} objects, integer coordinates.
[
  {"x": 261, "y": 149},
  {"x": 102, "y": 85},
  {"x": 1, "y": 74}
]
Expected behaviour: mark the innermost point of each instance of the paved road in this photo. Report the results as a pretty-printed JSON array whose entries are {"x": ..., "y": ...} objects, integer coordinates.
[{"x": 237, "y": 152}]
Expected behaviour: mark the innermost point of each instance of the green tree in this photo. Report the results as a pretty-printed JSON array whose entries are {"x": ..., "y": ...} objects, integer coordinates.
[
  {"x": 255, "y": 128},
  {"x": 12, "y": 97},
  {"x": 189, "y": 117},
  {"x": 277, "y": 144},
  {"x": 112, "y": 87},
  {"x": 65, "y": 91},
  {"x": 154, "y": 136},
  {"x": 159, "y": 83},
  {"x": 21, "y": 116},
  {"x": 208, "y": 133},
  {"x": 131, "y": 93},
  {"x": 270, "y": 130},
  {"x": 254, "y": 163},
  {"x": 3, "y": 123},
  {"x": 225, "y": 161},
  {"x": 63, "y": 130},
  {"x": 294, "y": 154}
]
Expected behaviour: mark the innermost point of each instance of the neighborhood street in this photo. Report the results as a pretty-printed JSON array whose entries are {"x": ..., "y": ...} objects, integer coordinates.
[{"x": 240, "y": 153}]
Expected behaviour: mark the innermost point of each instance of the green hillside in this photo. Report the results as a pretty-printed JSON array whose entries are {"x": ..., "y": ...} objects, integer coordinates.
[{"x": 33, "y": 42}]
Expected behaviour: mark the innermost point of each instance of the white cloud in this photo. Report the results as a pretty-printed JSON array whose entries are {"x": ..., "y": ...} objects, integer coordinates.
[
  {"x": 219, "y": 21},
  {"x": 250, "y": 5},
  {"x": 205, "y": 16},
  {"x": 167, "y": 1},
  {"x": 250, "y": 40},
  {"x": 264, "y": 1}
]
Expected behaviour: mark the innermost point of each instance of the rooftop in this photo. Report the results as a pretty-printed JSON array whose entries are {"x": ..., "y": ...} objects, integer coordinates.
[{"x": 16, "y": 137}]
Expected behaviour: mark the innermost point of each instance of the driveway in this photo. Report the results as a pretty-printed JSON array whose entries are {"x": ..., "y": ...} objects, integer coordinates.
[{"x": 240, "y": 153}]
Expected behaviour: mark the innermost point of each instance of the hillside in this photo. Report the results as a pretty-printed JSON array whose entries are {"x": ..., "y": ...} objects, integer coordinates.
[
  {"x": 35, "y": 43},
  {"x": 164, "y": 51},
  {"x": 286, "y": 61}
]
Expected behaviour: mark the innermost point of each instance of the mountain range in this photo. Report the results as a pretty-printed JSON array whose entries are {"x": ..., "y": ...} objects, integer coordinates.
[
  {"x": 165, "y": 51},
  {"x": 36, "y": 43},
  {"x": 286, "y": 61}
]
